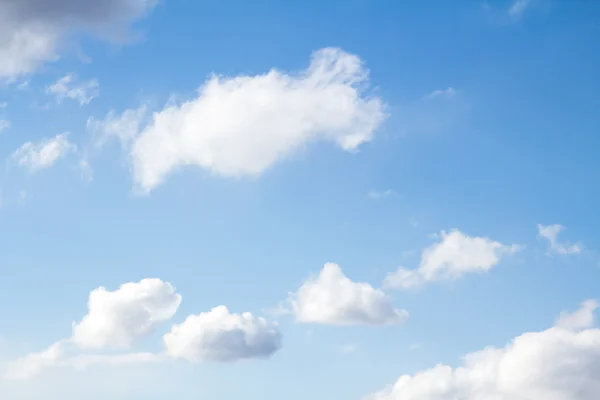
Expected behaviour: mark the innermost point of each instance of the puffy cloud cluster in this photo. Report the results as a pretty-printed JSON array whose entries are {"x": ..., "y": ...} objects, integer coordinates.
[
  {"x": 120, "y": 318},
  {"x": 453, "y": 256},
  {"x": 560, "y": 363},
  {"x": 240, "y": 126}
]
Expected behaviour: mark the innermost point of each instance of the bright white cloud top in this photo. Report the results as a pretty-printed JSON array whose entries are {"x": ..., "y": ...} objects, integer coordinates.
[
  {"x": 117, "y": 319},
  {"x": 560, "y": 363},
  {"x": 453, "y": 256},
  {"x": 240, "y": 126},
  {"x": 332, "y": 298}
]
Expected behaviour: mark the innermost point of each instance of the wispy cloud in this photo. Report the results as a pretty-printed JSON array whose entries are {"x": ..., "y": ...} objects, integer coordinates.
[
  {"x": 518, "y": 8},
  {"x": 381, "y": 194},
  {"x": 347, "y": 349},
  {"x": 67, "y": 88},
  {"x": 448, "y": 92},
  {"x": 43, "y": 154},
  {"x": 4, "y": 124},
  {"x": 550, "y": 233}
]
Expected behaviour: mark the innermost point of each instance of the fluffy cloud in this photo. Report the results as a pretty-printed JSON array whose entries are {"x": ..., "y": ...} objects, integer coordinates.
[
  {"x": 560, "y": 363},
  {"x": 221, "y": 336},
  {"x": 67, "y": 88},
  {"x": 332, "y": 298},
  {"x": 240, "y": 126},
  {"x": 31, "y": 31},
  {"x": 550, "y": 232},
  {"x": 454, "y": 255},
  {"x": 43, "y": 154},
  {"x": 117, "y": 319}
]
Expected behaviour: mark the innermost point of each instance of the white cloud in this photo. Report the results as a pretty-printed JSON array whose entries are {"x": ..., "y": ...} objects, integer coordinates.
[
  {"x": 32, "y": 364},
  {"x": 123, "y": 127},
  {"x": 348, "y": 349},
  {"x": 550, "y": 232},
  {"x": 86, "y": 360},
  {"x": 240, "y": 126},
  {"x": 58, "y": 356},
  {"x": 44, "y": 153},
  {"x": 86, "y": 170},
  {"x": 4, "y": 124},
  {"x": 117, "y": 319},
  {"x": 67, "y": 88},
  {"x": 3, "y": 104},
  {"x": 447, "y": 93},
  {"x": 456, "y": 254},
  {"x": 518, "y": 8},
  {"x": 221, "y": 336},
  {"x": 560, "y": 363},
  {"x": 581, "y": 319},
  {"x": 332, "y": 298},
  {"x": 32, "y": 31},
  {"x": 377, "y": 195}
]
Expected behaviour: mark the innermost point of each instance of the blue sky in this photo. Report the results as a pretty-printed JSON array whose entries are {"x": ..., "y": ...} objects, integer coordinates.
[{"x": 299, "y": 199}]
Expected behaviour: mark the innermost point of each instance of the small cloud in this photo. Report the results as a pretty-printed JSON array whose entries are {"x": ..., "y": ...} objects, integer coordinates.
[
  {"x": 347, "y": 349},
  {"x": 23, "y": 85},
  {"x": 3, "y": 104},
  {"x": 221, "y": 336},
  {"x": 376, "y": 195},
  {"x": 4, "y": 125},
  {"x": 518, "y": 8},
  {"x": 331, "y": 298},
  {"x": 550, "y": 233},
  {"x": 415, "y": 347},
  {"x": 66, "y": 88},
  {"x": 580, "y": 319},
  {"x": 445, "y": 93},
  {"x": 455, "y": 254},
  {"x": 43, "y": 154}
]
